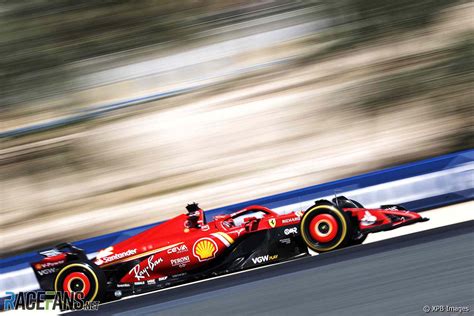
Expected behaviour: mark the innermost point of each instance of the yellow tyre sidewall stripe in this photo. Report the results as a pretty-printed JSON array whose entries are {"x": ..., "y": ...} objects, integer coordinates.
[
  {"x": 84, "y": 267},
  {"x": 341, "y": 217}
]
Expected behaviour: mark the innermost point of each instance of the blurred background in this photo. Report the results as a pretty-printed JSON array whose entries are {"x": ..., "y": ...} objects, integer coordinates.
[{"x": 117, "y": 113}]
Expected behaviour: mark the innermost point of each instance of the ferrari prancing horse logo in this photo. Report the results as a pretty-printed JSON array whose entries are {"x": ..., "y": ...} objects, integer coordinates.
[{"x": 272, "y": 222}]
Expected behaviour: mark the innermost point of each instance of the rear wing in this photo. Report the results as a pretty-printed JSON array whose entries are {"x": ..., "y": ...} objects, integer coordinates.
[
  {"x": 63, "y": 248},
  {"x": 53, "y": 260}
]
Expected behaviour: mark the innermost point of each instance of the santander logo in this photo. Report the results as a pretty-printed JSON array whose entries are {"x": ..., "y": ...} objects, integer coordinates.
[{"x": 107, "y": 255}]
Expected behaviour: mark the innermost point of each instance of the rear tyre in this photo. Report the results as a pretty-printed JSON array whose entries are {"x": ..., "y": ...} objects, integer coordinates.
[
  {"x": 324, "y": 227},
  {"x": 82, "y": 277}
]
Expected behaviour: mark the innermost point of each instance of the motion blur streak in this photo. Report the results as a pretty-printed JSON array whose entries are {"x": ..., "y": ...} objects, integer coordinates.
[{"x": 363, "y": 85}]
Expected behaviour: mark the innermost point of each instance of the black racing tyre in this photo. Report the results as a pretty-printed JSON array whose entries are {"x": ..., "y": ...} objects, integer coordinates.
[
  {"x": 344, "y": 202},
  {"x": 358, "y": 241},
  {"x": 85, "y": 277},
  {"x": 324, "y": 227}
]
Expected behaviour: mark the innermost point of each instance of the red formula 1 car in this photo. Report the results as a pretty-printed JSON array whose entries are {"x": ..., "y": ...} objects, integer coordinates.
[{"x": 186, "y": 247}]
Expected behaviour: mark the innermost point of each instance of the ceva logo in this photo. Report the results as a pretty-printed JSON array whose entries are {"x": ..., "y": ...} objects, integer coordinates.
[{"x": 177, "y": 249}]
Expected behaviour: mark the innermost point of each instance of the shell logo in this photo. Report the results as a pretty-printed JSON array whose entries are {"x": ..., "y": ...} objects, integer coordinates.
[{"x": 205, "y": 249}]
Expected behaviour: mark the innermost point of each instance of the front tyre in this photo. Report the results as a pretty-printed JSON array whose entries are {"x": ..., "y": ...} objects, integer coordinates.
[
  {"x": 81, "y": 277},
  {"x": 357, "y": 241},
  {"x": 324, "y": 227}
]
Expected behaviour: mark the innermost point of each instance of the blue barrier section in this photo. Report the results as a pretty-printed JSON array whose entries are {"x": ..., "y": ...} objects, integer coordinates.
[{"x": 454, "y": 192}]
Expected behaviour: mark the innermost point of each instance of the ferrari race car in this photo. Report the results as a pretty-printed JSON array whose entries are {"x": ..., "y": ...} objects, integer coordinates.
[{"x": 187, "y": 247}]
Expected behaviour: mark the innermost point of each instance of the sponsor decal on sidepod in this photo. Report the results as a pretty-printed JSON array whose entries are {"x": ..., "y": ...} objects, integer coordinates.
[
  {"x": 205, "y": 249},
  {"x": 290, "y": 220},
  {"x": 181, "y": 262},
  {"x": 178, "y": 249},
  {"x": 289, "y": 231},
  {"x": 107, "y": 255},
  {"x": 265, "y": 258},
  {"x": 145, "y": 272}
]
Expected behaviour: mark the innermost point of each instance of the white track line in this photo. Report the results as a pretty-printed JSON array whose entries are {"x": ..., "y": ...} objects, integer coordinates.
[
  {"x": 445, "y": 216},
  {"x": 440, "y": 217},
  {"x": 433, "y": 184}
]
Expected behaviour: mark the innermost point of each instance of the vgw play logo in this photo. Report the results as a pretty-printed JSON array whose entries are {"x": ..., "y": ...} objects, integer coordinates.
[{"x": 48, "y": 300}]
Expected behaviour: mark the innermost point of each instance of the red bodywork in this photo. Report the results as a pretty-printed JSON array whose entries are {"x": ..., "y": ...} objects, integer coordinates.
[{"x": 174, "y": 247}]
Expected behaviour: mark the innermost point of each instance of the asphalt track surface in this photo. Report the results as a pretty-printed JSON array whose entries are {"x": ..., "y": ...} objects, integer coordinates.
[{"x": 398, "y": 276}]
